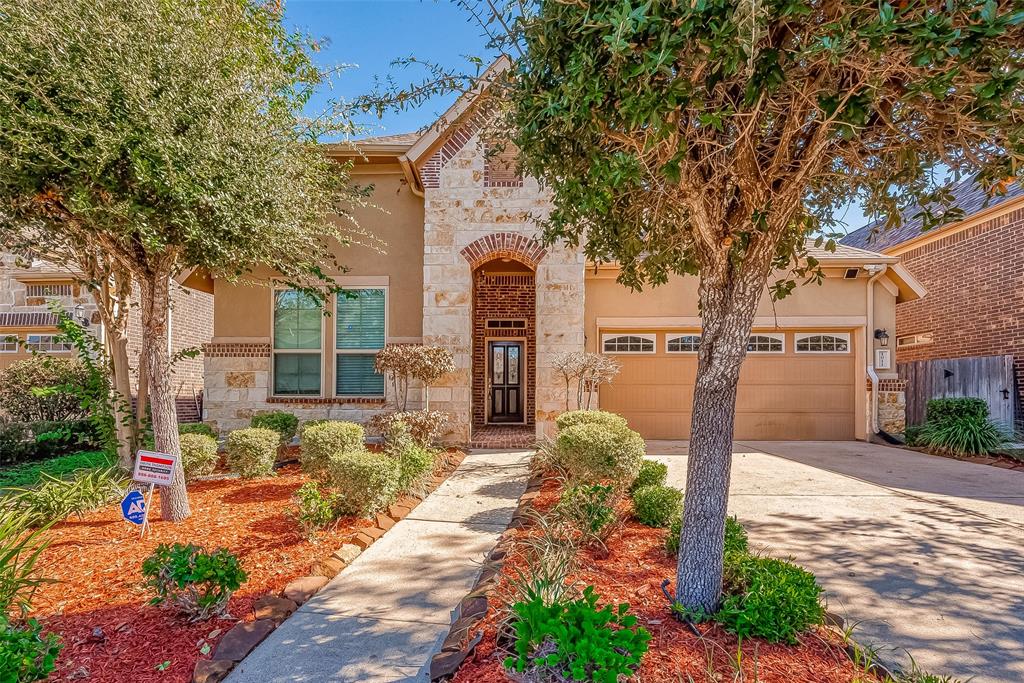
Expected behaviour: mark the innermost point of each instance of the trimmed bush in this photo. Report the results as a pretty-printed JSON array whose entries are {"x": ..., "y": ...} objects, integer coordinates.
[
  {"x": 309, "y": 423},
  {"x": 595, "y": 452},
  {"x": 252, "y": 452},
  {"x": 365, "y": 482},
  {"x": 197, "y": 428},
  {"x": 941, "y": 409},
  {"x": 18, "y": 382},
  {"x": 282, "y": 422},
  {"x": 769, "y": 598},
  {"x": 573, "y": 418},
  {"x": 657, "y": 505},
  {"x": 198, "y": 455},
  {"x": 735, "y": 536},
  {"x": 324, "y": 439},
  {"x": 26, "y": 653},
  {"x": 652, "y": 473}
]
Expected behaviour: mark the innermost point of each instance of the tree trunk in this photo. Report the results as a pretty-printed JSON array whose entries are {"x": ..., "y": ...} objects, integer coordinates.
[
  {"x": 122, "y": 386},
  {"x": 156, "y": 301}
]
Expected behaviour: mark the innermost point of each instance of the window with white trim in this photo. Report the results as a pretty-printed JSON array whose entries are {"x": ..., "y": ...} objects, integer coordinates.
[
  {"x": 682, "y": 343},
  {"x": 360, "y": 332},
  {"x": 766, "y": 343},
  {"x": 8, "y": 344},
  {"x": 628, "y": 343},
  {"x": 833, "y": 342},
  {"x": 47, "y": 343},
  {"x": 298, "y": 343},
  {"x": 914, "y": 340}
]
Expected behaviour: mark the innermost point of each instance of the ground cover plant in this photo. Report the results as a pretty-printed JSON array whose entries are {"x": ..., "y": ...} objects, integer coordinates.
[
  {"x": 196, "y": 582},
  {"x": 30, "y": 473},
  {"x": 959, "y": 427}
]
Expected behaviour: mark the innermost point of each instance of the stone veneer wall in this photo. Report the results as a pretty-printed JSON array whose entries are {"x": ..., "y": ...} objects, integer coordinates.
[
  {"x": 892, "y": 405},
  {"x": 460, "y": 209}
]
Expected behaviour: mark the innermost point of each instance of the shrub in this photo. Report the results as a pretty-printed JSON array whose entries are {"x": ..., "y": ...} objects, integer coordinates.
[
  {"x": 735, "y": 536},
  {"x": 30, "y": 473},
  {"x": 590, "y": 508},
  {"x": 415, "y": 464},
  {"x": 280, "y": 421},
  {"x": 198, "y": 455},
  {"x": 577, "y": 640},
  {"x": 366, "y": 482},
  {"x": 53, "y": 499},
  {"x": 942, "y": 409},
  {"x": 26, "y": 654},
  {"x": 28, "y": 441},
  {"x": 657, "y": 505},
  {"x": 310, "y": 423},
  {"x": 195, "y": 582},
  {"x": 21, "y": 380},
  {"x": 313, "y": 510},
  {"x": 323, "y": 440},
  {"x": 573, "y": 418},
  {"x": 652, "y": 473},
  {"x": 425, "y": 426},
  {"x": 197, "y": 428},
  {"x": 769, "y": 598},
  {"x": 594, "y": 452},
  {"x": 252, "y": 452},
  {"x": 20, "y": 547},
  {"x": 963, "y": 435}
]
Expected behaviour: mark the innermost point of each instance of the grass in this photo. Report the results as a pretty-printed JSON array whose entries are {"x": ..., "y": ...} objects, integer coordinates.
[{"x": 29, "y": 473}]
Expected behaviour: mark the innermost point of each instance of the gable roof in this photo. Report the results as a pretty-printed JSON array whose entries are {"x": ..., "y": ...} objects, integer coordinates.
[{"x": 968, "y": 196}]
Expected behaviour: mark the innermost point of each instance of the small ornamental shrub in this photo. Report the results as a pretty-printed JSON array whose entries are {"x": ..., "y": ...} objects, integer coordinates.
[
  {"x": 26, "y": 654},
  {"x": 366, "y": 482},
  {"x": 577, "y": 641},
  {"x": 573, "y": 418},
  {"x": 590, "y": 508},
  {"x": 425, "y": 426},
  {"x": 309, "y": 423},
  {"x": 323, "y": 440},
  {"x": 942, "y": 409},
  {"x": 197, "y": 583},
  {"x": 958, "y": 426},
  {"x": 657, "y": 505},
  {"x": 29, "y": 441},
  {"x": 314, "y": 510},
  {"x": 415, "y": 464},
  {"x": 769, "y": 598},
  {"x": 20, "y": 383},
  {"x": 198, "y": 455},
  {"x": 252, "y": 452},
  {"x": 735, "y": 536},
  {"x": 197, "y": 428},
  {"x": 652, "y": 473},
  {"x": 280, "y": 421},
  {"x": 594, "y": 452}
]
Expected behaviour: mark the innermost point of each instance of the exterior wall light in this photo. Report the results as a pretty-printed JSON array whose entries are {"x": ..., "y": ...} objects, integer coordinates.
[{"x": 882, "y": 336}]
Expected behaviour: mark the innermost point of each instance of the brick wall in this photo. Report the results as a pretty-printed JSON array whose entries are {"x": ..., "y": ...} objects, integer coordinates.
[
  {"x": 975, "y": 300},
  {"x": 508, "y": 296}
]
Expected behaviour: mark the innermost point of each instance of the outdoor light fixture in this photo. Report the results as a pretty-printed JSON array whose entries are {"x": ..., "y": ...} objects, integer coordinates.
[
  {"x": 80, "y": 315},
  {"x": 882, "y": 336}
]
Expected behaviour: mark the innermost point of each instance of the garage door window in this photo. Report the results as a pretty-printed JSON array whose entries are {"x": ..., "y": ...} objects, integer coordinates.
[
  {"x": 682, "y": 343},
  {"x": 766, "y": 343},
  {"x": 628, "y": 343},
  {"x": 823, "y": 343}
]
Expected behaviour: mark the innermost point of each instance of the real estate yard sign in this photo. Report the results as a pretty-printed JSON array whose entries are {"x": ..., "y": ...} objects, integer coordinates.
[{"x": 153, "y": 469}]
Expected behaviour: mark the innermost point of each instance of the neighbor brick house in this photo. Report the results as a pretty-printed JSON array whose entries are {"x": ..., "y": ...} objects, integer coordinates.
[
  {"x": 464, "y": 269},
  {"x": 973, "y": 269}
]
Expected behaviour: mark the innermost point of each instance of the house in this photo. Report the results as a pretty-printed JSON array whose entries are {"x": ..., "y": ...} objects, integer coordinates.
[
  {"x": 464, "y": 269},
  {"x": 27, "y": 323},
  {"x": 974, "y": 275}
]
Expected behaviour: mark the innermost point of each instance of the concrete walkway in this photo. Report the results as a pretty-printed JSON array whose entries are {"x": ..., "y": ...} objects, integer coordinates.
[
  {"x": 926, "y": 553},
  {"x": 382, "y": 618}
]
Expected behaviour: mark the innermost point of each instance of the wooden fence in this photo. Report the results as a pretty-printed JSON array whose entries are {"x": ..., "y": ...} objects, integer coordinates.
[{"x": 987, "y": 377}]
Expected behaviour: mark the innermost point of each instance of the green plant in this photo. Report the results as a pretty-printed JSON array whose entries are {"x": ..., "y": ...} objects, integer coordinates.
[
  {"x": 313, "y": 509},
  {"x": 198, "y": 455},
  {"x": 21, "y": 383},
  {"x": 597, "y": 452},
  {"x": 197, "y": 428},
  {"x": 322, "y": 440},
  {"x": 284, "y": 423},
  {"x": 194, "y": 581},
  {"x": 577, "y": 640},
  {"x": 26, "y": 654},
  {"x": 30, "y": 473},
  {"x": 589, "y": 508},
  {"x": 652, "y": 473},
  {"x": 657, "y": 505},
  {"x": 768, "y": 598},
  {"x": 366, "y": 482},
  {"x": 53, "y": 499},
  {"x": 27, "y": 441},
  {"x": 942, "y": 409},
  {"x": 20, "y": 547},
  {"x": 252, "y": 452},
  {"x": 572, "y": 418},
  {"x": 735, "y": 536},
  {"x": 549, "y": 557},
  {"x": 963, "y": 435},
  {"x": 425, "y": 426}
]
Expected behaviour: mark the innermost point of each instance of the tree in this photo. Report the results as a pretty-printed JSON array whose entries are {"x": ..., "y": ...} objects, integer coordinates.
[
  {"x": 167, "y": 135},
  {"x": 711, "y": 138}
]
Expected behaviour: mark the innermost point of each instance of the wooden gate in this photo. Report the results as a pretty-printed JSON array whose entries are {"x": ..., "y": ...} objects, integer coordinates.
[{"x": 987, "y": 377}]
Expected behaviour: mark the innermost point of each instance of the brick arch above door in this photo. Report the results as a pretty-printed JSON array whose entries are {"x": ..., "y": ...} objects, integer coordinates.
[{"x": 498, "y": 245}]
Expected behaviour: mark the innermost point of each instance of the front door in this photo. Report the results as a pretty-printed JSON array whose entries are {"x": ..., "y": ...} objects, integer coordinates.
[{"x": 506, "y": 381}]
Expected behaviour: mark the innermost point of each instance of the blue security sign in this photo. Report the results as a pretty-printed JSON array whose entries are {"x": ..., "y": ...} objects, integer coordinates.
[{"x": 133, "y": 507}]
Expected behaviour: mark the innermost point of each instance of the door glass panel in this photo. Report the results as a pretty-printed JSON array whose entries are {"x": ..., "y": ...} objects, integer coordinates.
[
  {"x": 513, "y": 366},
  {"x": 498, "y": 365}
]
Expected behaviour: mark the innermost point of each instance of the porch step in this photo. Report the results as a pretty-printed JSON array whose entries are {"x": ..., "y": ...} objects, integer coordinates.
[{"x": 503, "y": 436}]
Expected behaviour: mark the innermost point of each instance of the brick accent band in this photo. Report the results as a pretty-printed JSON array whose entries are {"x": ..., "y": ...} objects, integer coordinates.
[
  {"x": 233, "y": 350},
  {"x": 504, "y": 245},
  {"x": 336, "y": 400},
  {"x": 889, "y": 384}
]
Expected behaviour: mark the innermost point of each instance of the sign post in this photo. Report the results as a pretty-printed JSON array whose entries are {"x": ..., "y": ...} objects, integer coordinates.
[{"x": 153, "y": 469}]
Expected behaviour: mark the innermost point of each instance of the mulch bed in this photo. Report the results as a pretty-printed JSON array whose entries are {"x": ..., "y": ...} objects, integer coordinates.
[
  {"x": 632, "y": 570},
  {"x": 98, "y": 604}
]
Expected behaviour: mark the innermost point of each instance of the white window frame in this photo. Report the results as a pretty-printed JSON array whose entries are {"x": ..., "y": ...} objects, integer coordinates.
[
  {"x": 335, "y": 351},
  {"x": 845, "y": 336},
  {"x": 653, "y": 338},
  {"x": 37, "y": 344},
  {"x": 674, "y": 335},
  {"x": 771, "y": 335},
  {"x": 274, "y": 350},
  {"x": 6, "y": 339},
  {"x": 918, "y": 339}
]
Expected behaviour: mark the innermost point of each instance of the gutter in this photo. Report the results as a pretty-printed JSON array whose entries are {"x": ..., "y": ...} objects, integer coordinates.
[{"x": 879, "y": 271}]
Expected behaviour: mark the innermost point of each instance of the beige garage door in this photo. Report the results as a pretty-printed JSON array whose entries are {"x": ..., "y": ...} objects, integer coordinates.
[{"x": 788, "y": 395}]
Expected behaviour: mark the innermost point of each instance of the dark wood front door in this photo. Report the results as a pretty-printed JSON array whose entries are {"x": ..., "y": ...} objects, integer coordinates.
[{"x": 505, "y": 375}]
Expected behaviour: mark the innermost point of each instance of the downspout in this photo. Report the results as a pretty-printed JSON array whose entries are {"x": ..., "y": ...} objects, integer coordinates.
[{"x": 878, "y": 271}]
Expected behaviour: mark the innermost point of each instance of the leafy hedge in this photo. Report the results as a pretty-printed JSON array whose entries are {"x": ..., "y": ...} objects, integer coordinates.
[
  {"x": 21, "y": 400},
  {"x": 29, "y": 441},
  {"x": 593, "y": 452}
]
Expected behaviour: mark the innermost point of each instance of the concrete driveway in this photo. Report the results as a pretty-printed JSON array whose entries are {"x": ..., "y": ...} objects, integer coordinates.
[{"x": 926, "y": 553}]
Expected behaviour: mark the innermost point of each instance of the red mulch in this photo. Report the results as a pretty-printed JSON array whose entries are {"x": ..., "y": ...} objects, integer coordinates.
[
  {"x": 632, "y": 571},
  {"x": 99, "y": 606}
]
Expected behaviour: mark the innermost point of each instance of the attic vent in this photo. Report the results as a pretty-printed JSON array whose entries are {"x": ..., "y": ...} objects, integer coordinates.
[
  {"x": 851, "y": 273},
  {"x": 52, "y": 289}
]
